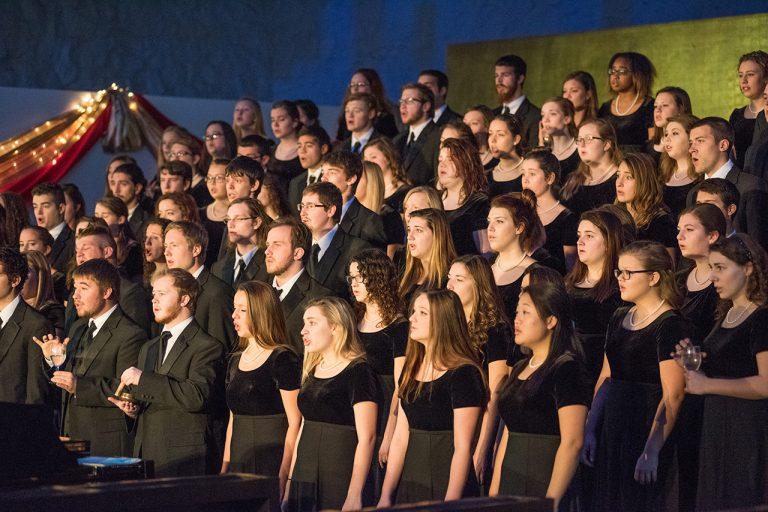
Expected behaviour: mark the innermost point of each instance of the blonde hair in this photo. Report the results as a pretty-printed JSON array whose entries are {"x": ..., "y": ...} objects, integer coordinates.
[
  {"x": 258, "y": 119},
  {"x": 265, "y": 316},
  {"x": 338, "y": 313},
  {"x": 441, "y": 254},
  {"x": 374, "y": 187}
]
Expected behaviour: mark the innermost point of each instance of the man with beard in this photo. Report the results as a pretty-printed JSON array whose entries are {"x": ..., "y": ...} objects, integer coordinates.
[
  {"x": 510, "y": 72},
  {"x": 175, "y": 382},
  {"x": 419, "y": 142}
]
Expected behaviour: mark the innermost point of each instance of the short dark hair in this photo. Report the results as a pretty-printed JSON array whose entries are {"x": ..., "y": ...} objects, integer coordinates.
[
  {"x": 442, "y": 78},
  {"x": 327, "y": 194},
  {"x": 301, "y": 237},
  {"x": 514, "y": 62},
  {"x": 52, "y": 189},
  {"x": 184, "y": 282},
  {"x": 194, "y": 233},
  {"x": 44, "y": 234},
  {"x": 319, "y": 133},
  {"x": 721, "y": 129},
  {"x": 103, "y": 273},
  {"x": 256, "y": 141},
  {"x": 134, "y": 172},
  {"x": 349, "y": 162},
  {"x": 723, "y": 189},
  {"x": 248, "y": 168},
  {"x": 176, "y": 168},
  {"x": 221, "y": 161},
  {"x": 14, "y": 265},
  {"x": 425, "y": 93}
]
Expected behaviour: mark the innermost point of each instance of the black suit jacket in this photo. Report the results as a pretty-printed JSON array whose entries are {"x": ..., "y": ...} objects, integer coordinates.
[
  {"x": 447, "y": 116},
  {"x": 135, "y": 302},
  {"x": 361, "y": 222},
  {"x": 529, "y": 115},
  {"x": 303, "y": 290},
  {"x": 753, "y": 202},
  {"x": 22, "y": 375},
  {"x": 256, "y": 270},
  {"x": 137, "y": 220},
  {"x": 88, "y": 414},
  {"x": 346, "y": 144},
  {"x": 62, "y": 250},
  {"x": 214, "y": 309},
  {"x": 420, "y": 161},
  {"x": 331, "y": 270},
  {"x": 174, "y": 427}
]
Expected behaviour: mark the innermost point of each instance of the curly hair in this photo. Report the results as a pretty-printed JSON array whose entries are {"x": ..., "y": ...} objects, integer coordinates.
[
  {"x": 743, "y": 250},
  {"x": 380, "y": 277},
  {"x": 488, "y": 310},
  {"x": 468, "y": 167}
]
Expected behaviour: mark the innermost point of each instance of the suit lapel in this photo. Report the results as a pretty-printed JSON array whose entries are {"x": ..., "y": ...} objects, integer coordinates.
[
  {"x": 254, "y": 266},
  {"x": 98, "y": 343},
  {"x": 350, "y": 218},
  {"x": 324, "y": 266},
  {"x": 11, "y": 330},
  {"x": 178, "y": 347},
  {"x": 296, "y": 295}
]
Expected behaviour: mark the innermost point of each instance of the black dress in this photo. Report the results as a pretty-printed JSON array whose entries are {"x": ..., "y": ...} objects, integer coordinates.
[
  {"x": 427, "y": 464},
  {"x": 466, "y": 219},
  {"x": 631, "y": 399},
  {"x": 529, "y": 408},
  {"x": 510, "y": 295},
  {"x": 733, "y": 464},
  {"x": 743, "y": 129},
  {"x": 662, "y": 229},
  {"x": 698, "y": 307},
  {"x": 589, "y": 197},
  {"x": 259, "y": 423},
  {"x": 631, "y": 130},
  {"x": 391, "y": 217},
  {"x": 284, "y": 170},
  {"x": 561, "y": 232},
  {"x": 496, "y": 347},
  {"x": 497, "y": 188},
  {"x": 569, "y": 165},
  {"x": 200, "y": 194},
  {"x": 215, "y": 231},
  {"x": 675, "y": 197},
  {"x": 326, "y": 449},
  {"x": 396, "y": 200}
]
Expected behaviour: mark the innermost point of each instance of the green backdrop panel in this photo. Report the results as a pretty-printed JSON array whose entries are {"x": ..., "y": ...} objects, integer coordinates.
[{"x": 699, "y": 56}]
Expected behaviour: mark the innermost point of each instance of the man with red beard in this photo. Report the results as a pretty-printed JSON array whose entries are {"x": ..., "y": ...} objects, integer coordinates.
[
  {"x": 175, "y": 382},
  {"x": 510, "y": 72},
  {"x": 419, "y": 142}
]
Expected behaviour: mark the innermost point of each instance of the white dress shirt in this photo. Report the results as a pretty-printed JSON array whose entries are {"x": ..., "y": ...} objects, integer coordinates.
[
  {"x": 7, "y": 312},
  {"x": 416, "y": 130},
  {"x": 721, "y": 172},
  {"x": 325, "y": 242},
  {"x": 439, "y": 112},
  {"x": 100, "y": 320},
  {"x": 175, "y": 331},
  {"x": 56, "y": 231},
  {"x": 362, "y": 140},
  {"x": 513, "y": 105},
  {"x": 285, "y": 289}
]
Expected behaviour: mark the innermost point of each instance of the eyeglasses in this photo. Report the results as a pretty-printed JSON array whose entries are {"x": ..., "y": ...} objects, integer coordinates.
[
  {"x": 213, "y": 136},
  {"x": 309, "y": 206},
  {"x": 355, "y": 279},
  {"x": 410, "y": 101},
  {"x": 235, "y": 220},
  {"x": 215, "y": 179},
  {"x": 353, "y": 111},
  {"x": 357, "y": 85},
  {"x": 625, "y": 275},
  {"x": 619, "y": 71},
  {"x": 181, "y": 154},
  {"x": 586, "y": 140}
]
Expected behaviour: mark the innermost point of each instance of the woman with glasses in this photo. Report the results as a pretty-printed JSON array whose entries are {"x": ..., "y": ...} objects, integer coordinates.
[
  {"x": 188, "y": 150},
  {"x": 557, "y": 131},
  {"x": 593, "y": 183},
  {"x": 367, "y": 80},
  {"x": 212, "y": 216},
  {"x": 284, "y": 161},
  {"x": 676, "y": 167},
  {"x": 640, "y": 389},
  {"x": 505, "y": 139},
  {"x": 630, "y": 78},
  {"x": 219, "y": 142}
]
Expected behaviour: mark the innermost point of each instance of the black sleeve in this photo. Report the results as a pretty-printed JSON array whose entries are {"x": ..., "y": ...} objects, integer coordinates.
[
  {"x": 758, "y": 338},
  {"x": 671, "y": 331},
  {"x": 232, "y": 364},
  {"x": 570, "y": 384},
  {"x": 287, "y": 370},
  {"x": 499, "y": 337},
  {"x": 364, "y": 385},
  {"x": 467, "y": 387},
  {"x": 616, "y": 319},
  {"x": 477, "y": 215},
  {"x": 400, "y": 338},
  {"x": 570, "y": 228},
  {"x": 662, "y": 229},
  {"x": 394, "y": 231},
  {"x": 648, "y": 113}
]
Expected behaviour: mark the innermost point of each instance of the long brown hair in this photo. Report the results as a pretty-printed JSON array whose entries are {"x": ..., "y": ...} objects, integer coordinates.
[
  {"x": 649, "y": 191},
  {"x": 450, "y": 344},
  {"x": 441, "y": 253},
  {"x": 38, "y": 264},
  {"x": 577, "y": 178},
  {"x": 469, "y": 168},
  {"x": 380, "y": 277},
  {"x": 488, "y": 309},
  {"x": 667, "y": 164},
  {"x": 743, "y": 250},
  {"x": 567, "y": 109},
  {"x": 265, "y": 316},
  {"x": 522, "y": 208},
  {"x": 386, "y": 147},
  {"x": 588, "y": 82},
  {"x": 654, "y": 257}
]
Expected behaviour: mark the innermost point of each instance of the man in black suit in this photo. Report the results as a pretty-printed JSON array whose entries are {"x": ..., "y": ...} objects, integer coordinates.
[
  {"x": 332, "y": 248},
  {"x": 247, "y": 232},
  {"x": 344, "y": 169},
  {"x": 510, "y": 72},
  {"x": 48, "y": 204},
  {"x": 185, "y": 244},
  {"x": 711, "y": 150},
  {"x": 127, "y": 182},
  {"x": 313, "y": 144},
  {"x": 289, "y": 245},
  {"x": 96, "y": 242},
  {"x": 359, "y": 114},
  {"x": 437, "y": 81},
  {"x": 22, "y": 379},
  {"x": 101, "y": 345},
  {"x": 419, "y": 143},
  {"x": 175, "y": 380}
]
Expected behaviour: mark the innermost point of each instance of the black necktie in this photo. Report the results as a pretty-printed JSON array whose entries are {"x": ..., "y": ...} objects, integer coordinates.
[
  {"x": 505, "y": 110},
  {"x": 239, "y": 274},
  {"x": 315, "y": 256},
  {"x": 312, "y": 179},
  {"x": 1, "y": 324},
  {"x": 356, "y": 147},
  {"x": 164, "y": 337},
  {"x": 84, "y": 343},
  {"x": 411, "y": 140}
]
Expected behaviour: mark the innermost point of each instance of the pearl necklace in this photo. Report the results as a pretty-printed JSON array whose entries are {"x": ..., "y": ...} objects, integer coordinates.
[
  {"x": 749, "y": 106},
  {"x": 496, "y": 264},
  {"x": 610, "y": 171},
  {"x": 695, "y": 280},
  {"x": 731, "y": 322},
  {"x": 514, "y": 167},
  {"x": 252, "y": 359},
  {"x": 616, "y": 105},
  {"x": 634, "y": 310},
  {"x": 566, "y": 148},
  {"x": 330, "y": 367},
  {"x": 549, "y": 209},
  {"x": 531, "y": 365}
]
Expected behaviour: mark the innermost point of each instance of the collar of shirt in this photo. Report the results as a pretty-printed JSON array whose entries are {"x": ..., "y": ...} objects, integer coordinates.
[
  {"x": 325, "y": 242},
  {"x": 729, "y": 235},
  {"x": 197, "y": 272},
  {"x": 131, "y": 210},
  {"x": 175, "y": 331},
  {"x": 721, "y": 172},
  {"x": 7, "y": 312},
  {"x": 101, "y": 320},
  {"x": 416, "y": 129},
  {"x": 286, "y": 288},
  {"x": 247, "y": 257},
  {"x": 345, "y": 207},
  {"x": 513, "y": 105},
  {"x": 316, "y": 173},
  {"x": 56, "y": 231},
  {"x": 439, "y": 112},
  {"x": 364, "y": 139}
]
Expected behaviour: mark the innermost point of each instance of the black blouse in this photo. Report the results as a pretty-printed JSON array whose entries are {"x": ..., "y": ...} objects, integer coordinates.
[
  {"x": 332, "y": 400},
  {"x": 215, "y": 231},
  {"x": 634, "y": 356},
  {"x": 561, "y": 232},
  {"x": 569, "y": 165},
  {"x": 698, "y": 307},
  {"x": 497, "y": 346},
  {"x": 591, "y": 318},
  {"x": 662, "y": 229},
  {"x": 589, "y": 197},
  {"x": 432, "y": 409},
  {"x": 257, "y": 392},
  {"x": 731, "y": 352},
  {"x": 530, "y": 405},
  {"x": 631, "y": 130},
  {"x": 201, "y": 194},
  {"x": 497, "y": 188},
  {"x": 382, "y": 347},
  {"x": 466, "y": 219},
  {"x": 676, "y": 197},
  {"x": 396, "y": 200},
  {"x": 744, "y": 129},
  {"x": 284, "y": 170}
]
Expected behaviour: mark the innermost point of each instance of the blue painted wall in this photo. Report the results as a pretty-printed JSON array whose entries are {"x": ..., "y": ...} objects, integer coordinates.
[{"x": 275, "y": 49}]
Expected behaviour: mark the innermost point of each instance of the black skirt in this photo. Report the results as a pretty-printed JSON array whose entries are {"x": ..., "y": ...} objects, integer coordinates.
[
  {"x": 733, "y": 462},
  {"x": 257, "y": 444},
  {"x": 427, "y": 468},
  {"x": 324, "y": 462},
  {"x": 629, "y": 411},
  {"x": 387, "y": 383}
]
